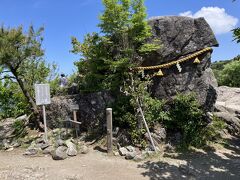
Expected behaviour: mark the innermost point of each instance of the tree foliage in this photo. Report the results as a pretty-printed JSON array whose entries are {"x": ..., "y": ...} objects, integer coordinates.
[
  {"x": 107, "y": 58},
  {"x": 22, "y": 65},
  {"x": 16, "y": 49},
  {"x": 187, "y": 117},
  {"x": 236, "y": 34},
  {"x": 227, "y": 72},
  {"x": 12, "y": 101}
]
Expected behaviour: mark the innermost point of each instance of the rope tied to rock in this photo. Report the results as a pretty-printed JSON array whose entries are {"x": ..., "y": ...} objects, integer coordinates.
[{"x": 194, "y": 56}]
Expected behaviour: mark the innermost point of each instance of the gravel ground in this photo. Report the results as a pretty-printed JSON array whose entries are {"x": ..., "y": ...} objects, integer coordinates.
[{"x": 218, "y": 162}]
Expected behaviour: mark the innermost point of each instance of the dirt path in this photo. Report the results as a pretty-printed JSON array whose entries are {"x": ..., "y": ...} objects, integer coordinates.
[
  {"x": 94, "y": 165},
  {"x": 218, "y": 163}
]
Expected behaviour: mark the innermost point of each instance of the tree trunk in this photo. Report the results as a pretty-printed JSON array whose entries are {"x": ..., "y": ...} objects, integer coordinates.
[
  {"x": 27, "y": 95},
  {"x": 30, "y": 100}
]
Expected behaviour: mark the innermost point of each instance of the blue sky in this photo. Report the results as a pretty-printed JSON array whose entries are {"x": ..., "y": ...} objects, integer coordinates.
[{"x": 65, "y": 18}]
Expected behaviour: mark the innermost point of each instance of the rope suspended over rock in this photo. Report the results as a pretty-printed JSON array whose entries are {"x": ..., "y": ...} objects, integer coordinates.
[{"x": 176, "y": 62}]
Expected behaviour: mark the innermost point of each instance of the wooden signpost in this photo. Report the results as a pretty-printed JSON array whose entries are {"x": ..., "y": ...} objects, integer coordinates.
[
  {"x": 42, "y": 95},
  {"x": 75, "y": 108}
]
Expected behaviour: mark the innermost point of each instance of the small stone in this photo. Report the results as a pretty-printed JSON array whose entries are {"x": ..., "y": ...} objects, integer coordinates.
[
  {"x": 130, "y": 155},
  {"x": 43, "y": 145},
  {"x": 6, "y": 144},
  {"x": 130, "y": 148},
  {"x": 31, "y": 152},
  {"x": 60, "y": 153},
  {"x": 10, "y": 149},
  {"x": 115, "y": 153},
  {"x": 15, "y": 144},
  {"x": 48, "y": 150},
  {"x": 123, "y": 151},
  {"x": 72, "y": 149},
  {"x": 139, "y": 157},
  {"x": 60, "y": 142},
  {"x": 84, "y": 149}
]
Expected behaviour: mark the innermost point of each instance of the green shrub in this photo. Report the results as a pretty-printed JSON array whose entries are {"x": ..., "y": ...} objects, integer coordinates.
[
  {"x": 12, "y": 101},
  {"x": 127, "y": 115},
  {"x": 187, "y": 117},
  {"x": 19, "y": 129},
  {"x": 211, "y": 132}
]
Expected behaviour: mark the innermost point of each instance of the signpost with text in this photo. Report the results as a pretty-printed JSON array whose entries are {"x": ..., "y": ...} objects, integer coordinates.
[{"x": 42, "y": 95}]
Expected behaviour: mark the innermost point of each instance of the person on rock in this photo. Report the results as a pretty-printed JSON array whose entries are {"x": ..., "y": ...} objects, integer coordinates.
[{"x": 63, "y": 81}]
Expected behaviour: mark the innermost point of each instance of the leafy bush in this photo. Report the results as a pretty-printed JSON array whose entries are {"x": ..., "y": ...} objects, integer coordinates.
[
  {"x": 12, "y": 101},
  {"x": 127, "y": 114},
  {"x": 211, "y": 132},
  {"x": 187, "y": 117},
  {"x": 19, "y": 129}
]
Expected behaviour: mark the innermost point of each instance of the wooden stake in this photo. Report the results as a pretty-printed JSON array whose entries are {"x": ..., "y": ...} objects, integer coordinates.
[
  {"x": 109, "y": 130},
  {"x": 75, "y": 120}
]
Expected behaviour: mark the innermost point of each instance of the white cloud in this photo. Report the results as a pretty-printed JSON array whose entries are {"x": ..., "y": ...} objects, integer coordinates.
[{"x": 218, "y": 19}]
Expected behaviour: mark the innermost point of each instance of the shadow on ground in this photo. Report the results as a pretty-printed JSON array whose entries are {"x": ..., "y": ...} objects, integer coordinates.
[{"x": 213, "y": 163}]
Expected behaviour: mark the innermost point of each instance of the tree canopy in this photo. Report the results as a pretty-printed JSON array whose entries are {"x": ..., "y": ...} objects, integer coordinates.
[
  {"x": 22, "y": 65},
  {"x": 108, "y": 55}
]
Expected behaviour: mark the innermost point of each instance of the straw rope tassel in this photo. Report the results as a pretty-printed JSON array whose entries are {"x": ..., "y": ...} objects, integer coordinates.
[
  {"x": 159, "y": 73},
  {"x": 197, "y": 61},
  {"x": 179, "y": 67},
  {"x": 143, "y": 74}
]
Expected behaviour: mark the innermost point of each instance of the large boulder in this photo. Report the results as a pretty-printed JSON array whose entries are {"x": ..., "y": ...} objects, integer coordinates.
[
  {"x": 228, "y": 99},
  {"x": 180, "y": 37},
  {"x": 227, "y": 108}
]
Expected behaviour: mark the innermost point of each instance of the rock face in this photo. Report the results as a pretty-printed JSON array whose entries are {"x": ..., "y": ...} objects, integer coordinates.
[
  {"x": 91, "y": 109},
  {"x": 180, "y": 37},
  {"x": 7, "y": 130},
  {"x": 228, "y": 99},
  {"x": 227, "y": 107}
]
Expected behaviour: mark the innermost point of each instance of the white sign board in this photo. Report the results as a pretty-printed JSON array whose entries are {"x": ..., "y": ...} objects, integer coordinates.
[
  {"x": 74, "y": 107},
  {"x": 42, "y": 94}
]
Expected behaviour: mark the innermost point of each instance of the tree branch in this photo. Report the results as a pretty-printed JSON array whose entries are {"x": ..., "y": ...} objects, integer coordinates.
[
  {"x": 7, "y": 77},
  {"x": 5, "y": 72}
]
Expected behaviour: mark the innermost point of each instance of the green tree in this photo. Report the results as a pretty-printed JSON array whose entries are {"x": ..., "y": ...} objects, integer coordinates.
[
  {"x": 229, "y": 76},
  {"x": 107, "y": 58},
  {"x": 236, "y": 34},
  {"x": 22, "y": 62},
  {"x": 12, "y": 101}
]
